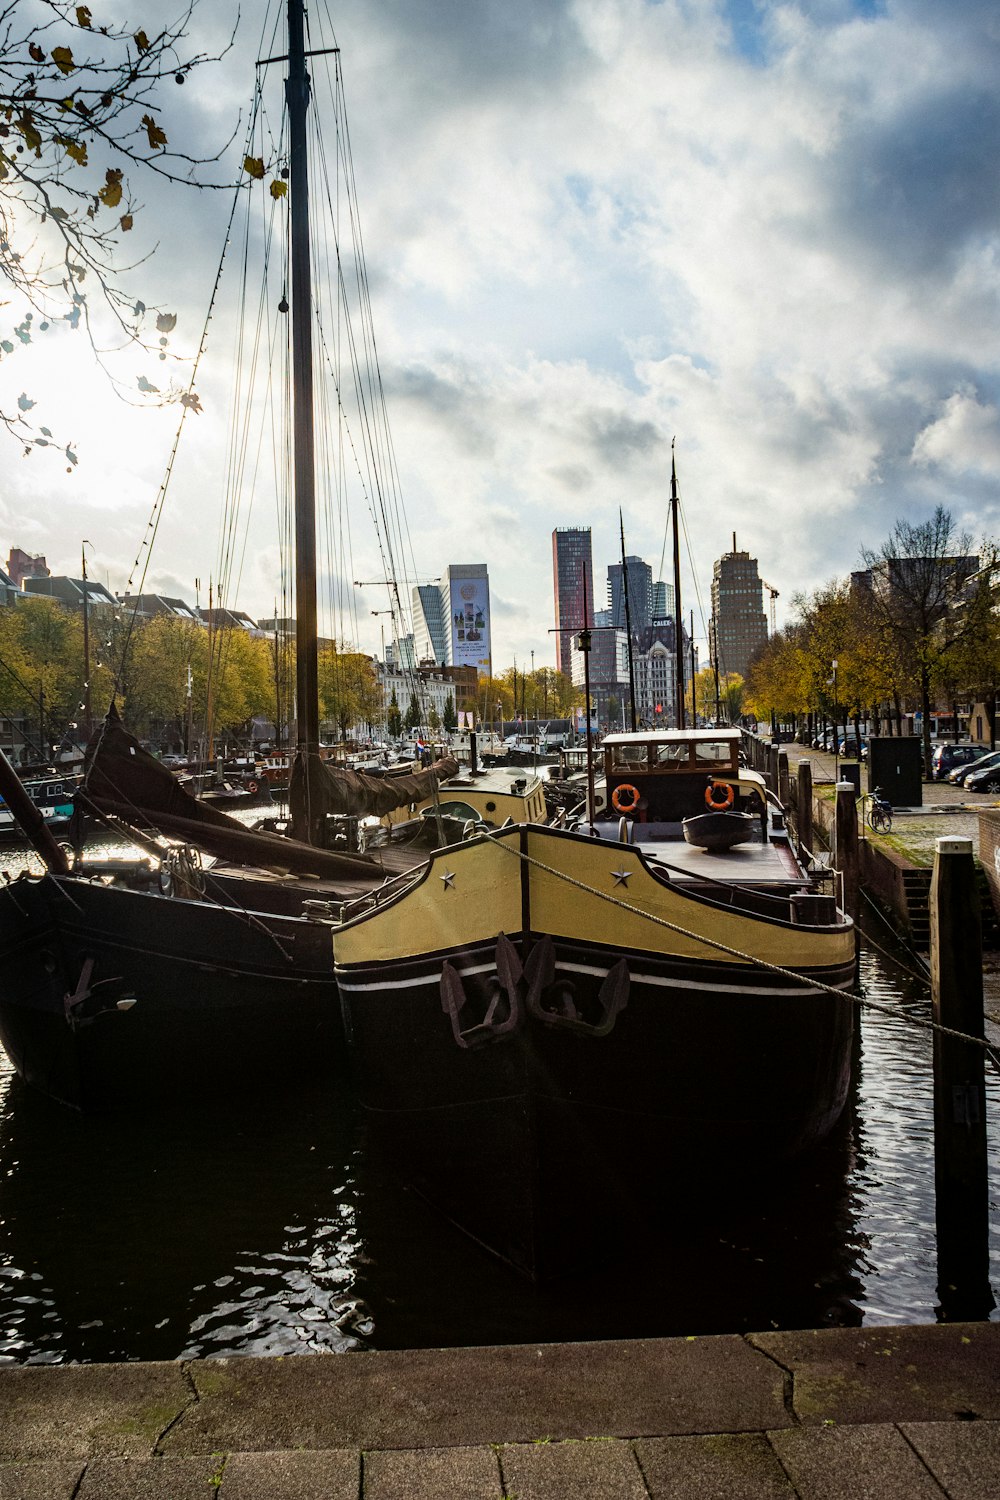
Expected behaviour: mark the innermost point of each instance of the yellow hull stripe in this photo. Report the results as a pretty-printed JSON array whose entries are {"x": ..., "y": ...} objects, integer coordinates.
[{"x": 483, "y": 898}]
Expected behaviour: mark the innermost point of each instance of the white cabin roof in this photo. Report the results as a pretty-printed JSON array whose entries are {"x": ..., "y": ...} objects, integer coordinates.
[{"x": 671, "y": 736}]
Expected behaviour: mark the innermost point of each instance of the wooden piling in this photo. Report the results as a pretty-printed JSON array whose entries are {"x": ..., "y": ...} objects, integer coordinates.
[
  {"x": 784, "y": 788},
  {"x": 960, "y": 1158},
  {"x": 804, "y": 808},
  {"x": 845, "y": 845}
]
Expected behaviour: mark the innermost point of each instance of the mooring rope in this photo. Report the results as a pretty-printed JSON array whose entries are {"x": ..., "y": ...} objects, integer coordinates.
[{"x": 861, "y": 1001}]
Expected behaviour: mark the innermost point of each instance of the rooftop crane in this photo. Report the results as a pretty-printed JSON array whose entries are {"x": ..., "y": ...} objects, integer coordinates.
[{"x": 774, "y": 595}]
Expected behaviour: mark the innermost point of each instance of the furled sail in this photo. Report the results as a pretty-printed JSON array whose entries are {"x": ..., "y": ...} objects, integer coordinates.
[
  {"x": 124, "y": 779},
  {"x": 334, "y": 789}
]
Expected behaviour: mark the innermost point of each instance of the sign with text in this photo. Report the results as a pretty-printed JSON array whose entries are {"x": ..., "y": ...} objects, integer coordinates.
[{"x": 470, "y": 623}]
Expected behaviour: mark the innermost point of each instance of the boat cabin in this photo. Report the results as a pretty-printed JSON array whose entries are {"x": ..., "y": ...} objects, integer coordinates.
[{"x": 666, "y": 775}]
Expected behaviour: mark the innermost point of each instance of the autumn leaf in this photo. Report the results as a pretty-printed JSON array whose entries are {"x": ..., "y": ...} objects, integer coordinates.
[
  {"x": 145, "y": 386},
  {"x": 157, "y": 137},
  {"x": 83, "y": 16},
  {"x": 76, "y": 149},
  {"x": 36, "y": 52},
  {"x": 142, "y": 42},
  {"x": 191, "y": 402},
  {"x": 27, "y": 128},
  {"x": 71, "y": 456},
  {"x": 111, "y": 193},
  {"x": 63, "y": 59},
  {"x": 126, "y": 221},
  {"x": 24, "y": 402},
  {"x": 166, "y": 322},
  {"x": 3, "y": 167},
  {"x": 57, "y": 213},
  {"x": 255, "y": 166},
  {"x": 278, "y": 189}
]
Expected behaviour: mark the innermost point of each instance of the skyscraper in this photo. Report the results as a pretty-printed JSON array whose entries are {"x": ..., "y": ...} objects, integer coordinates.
[
  {"x": 640, "y": 594},
  {"x": 465, "y": 598},
  {"x": 430, "y": 637},
  {"x": 663, "y": 601},
  {"x": 739, "y": 626},
  {"x": 571, "y": 566},
  {"x": 451, "y": 620}
]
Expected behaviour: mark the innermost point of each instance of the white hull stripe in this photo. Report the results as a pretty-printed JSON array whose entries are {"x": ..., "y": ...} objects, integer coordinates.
[{"x": 659, "y": 980}]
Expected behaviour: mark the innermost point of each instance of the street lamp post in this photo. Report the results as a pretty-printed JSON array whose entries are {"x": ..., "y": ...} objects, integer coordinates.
[{"x": 836, "y": 737}]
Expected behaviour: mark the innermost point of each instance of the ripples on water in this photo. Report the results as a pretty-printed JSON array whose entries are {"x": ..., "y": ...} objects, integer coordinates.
[{"x": 270, "y": 1228}]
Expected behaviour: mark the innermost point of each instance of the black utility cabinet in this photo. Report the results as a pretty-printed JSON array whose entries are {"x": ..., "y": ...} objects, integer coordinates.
[{"x": 896, "y": 767}]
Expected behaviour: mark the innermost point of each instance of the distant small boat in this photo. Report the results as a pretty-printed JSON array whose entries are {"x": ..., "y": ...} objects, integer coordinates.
[{"x": 51, "y": 795}]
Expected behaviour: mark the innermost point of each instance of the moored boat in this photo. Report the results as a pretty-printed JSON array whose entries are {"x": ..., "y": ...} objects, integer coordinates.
[
  {"x": 51, "y": 795},
  {"x": 545, "y": 1020}
]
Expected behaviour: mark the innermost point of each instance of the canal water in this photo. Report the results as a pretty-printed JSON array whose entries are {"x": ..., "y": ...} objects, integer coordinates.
[{"x": 271, "y": 1227}]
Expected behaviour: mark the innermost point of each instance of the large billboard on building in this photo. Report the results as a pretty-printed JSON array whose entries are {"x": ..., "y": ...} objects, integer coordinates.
[{"x": 469, "y": 600}]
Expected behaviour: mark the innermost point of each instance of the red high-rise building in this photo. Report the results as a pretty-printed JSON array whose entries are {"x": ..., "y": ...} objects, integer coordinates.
[{"x": 571, "y": 565}]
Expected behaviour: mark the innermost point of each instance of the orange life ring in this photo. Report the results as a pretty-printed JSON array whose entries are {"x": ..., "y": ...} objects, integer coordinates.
[
  {"x": 252, "y": 787},
  {"x": 728, "y": 796},
  {"x": 633, "y": 801}
]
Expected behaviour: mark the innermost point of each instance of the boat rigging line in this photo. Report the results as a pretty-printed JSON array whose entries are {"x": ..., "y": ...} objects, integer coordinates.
[{"x": 863, "y": 1002}]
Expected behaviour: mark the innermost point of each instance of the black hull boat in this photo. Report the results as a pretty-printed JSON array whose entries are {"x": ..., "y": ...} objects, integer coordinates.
[
  {"x": 545, "y": 1057},
  {"x": 128, "y": 980},
  {"x": 114, "y": 997}
]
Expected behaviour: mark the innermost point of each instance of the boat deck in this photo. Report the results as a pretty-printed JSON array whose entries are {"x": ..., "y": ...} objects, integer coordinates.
[{"x": 745, "y": 864}]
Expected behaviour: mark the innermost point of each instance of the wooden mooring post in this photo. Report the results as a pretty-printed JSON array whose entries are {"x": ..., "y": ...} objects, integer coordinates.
[
  {"x": 784, "y": 788},
  {"x": 960, "y": 1158},
  {"x": 845, "y": 845},
  {"x": 804, "y": 808}
]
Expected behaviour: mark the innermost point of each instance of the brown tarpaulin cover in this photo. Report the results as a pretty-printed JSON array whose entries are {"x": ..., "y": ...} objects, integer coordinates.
[
  {"x": 334, "y": 789},
  {"x": 124, "y": 779}
]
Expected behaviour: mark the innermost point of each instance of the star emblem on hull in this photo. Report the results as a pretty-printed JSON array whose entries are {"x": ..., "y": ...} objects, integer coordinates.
[
  {"x": 448, "y": 879},
  {"x": 622, "y": 877}
]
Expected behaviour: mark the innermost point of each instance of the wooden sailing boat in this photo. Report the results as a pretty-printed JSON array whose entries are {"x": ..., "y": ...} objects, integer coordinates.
[
  {"x": 124, "y": 981},
  {"x": 552, "y": 1027}
]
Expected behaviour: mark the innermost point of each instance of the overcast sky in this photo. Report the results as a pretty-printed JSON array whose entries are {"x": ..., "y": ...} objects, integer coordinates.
[{"x": 768, "y": 230}]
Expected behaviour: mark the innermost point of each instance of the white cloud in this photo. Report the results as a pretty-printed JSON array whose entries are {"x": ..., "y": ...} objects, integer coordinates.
[
  {"x": 592, "y": 225},
  {"x": 965, "y": 438}
]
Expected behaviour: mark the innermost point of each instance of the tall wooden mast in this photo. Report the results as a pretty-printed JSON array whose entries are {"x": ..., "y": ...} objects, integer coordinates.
[
  {"x": 306, "y": 649},
  {"x": 678, "y": 613}
]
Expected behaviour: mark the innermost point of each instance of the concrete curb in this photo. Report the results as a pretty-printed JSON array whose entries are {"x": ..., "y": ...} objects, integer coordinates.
[{"x": 815, "y": 1415}]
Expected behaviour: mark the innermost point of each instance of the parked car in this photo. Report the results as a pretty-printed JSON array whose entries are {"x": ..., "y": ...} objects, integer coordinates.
[
  {"x": 850, "y": 749},
  {"x": 959, "y": 775},
  {"x": 945, "y": 758},
  {"x": 984, "y": 778},
  {"x": 173, "y": 762}
]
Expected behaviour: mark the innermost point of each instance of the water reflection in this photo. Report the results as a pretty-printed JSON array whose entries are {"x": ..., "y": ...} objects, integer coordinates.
[{"x": 274, "y": 1228}]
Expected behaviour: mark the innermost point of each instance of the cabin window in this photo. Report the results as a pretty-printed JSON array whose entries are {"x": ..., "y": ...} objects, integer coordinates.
[
  {"x": 713, "y": 752},
  {"x": 629, "y": 757},
  {"x": 673, "y": 757}
]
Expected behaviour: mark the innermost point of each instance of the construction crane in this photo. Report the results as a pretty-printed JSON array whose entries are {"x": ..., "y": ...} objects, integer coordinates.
[{"x": 774, "y": 595}]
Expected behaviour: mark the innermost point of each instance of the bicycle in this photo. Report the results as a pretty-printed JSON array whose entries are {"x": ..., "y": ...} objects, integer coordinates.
[{"x": 879, "y": 812}]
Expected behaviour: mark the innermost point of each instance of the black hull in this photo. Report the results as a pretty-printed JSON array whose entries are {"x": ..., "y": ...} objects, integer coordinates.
[
  {"x": 223, "y": 1000},
  {"x": 532, "y": 1142}
]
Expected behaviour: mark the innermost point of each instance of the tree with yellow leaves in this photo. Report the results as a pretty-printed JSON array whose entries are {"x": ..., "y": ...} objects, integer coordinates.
[{"x": 79, "y": 108}]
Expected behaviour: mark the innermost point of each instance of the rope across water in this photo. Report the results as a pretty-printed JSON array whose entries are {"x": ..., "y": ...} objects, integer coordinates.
[{"x": 858, "y": 1000}]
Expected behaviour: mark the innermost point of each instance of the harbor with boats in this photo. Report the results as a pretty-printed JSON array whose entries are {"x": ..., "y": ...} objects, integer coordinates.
[{"x": 552, "y": 1049}]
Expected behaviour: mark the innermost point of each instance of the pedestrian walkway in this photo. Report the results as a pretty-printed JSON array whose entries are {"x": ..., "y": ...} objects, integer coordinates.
[{"x": 882, "y": 1413}]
